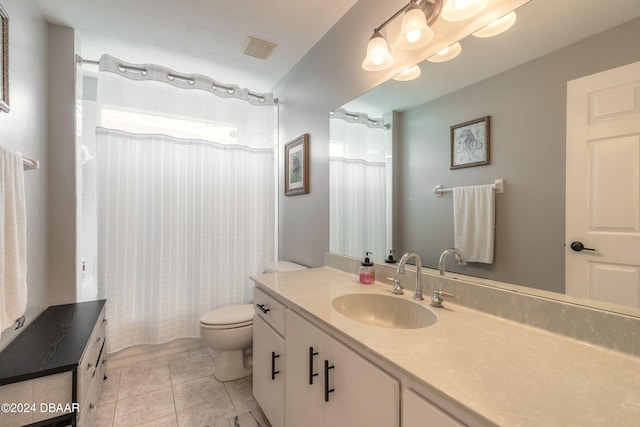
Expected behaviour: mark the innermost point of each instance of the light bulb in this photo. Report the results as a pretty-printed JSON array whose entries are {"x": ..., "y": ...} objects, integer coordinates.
[
  {"x": 414, "y": 31},
  {"x": 443, "y": 52},
  {"x": 413, "y": 36},
  {"x": 378, "y": 50}
]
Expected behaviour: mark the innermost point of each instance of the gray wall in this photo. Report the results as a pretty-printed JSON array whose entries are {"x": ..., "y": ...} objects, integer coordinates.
[
  {"x": 527, "y": 105},
  {"x": 25, "y": 129},
  {"x": 327, "y": 77}
]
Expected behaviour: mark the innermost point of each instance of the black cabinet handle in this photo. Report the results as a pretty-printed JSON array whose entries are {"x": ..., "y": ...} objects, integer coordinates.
[
  {"x": 274, "y": 356},
  {"x": 311, "y": 374},
  {"x": 262, "y": 308},
  {"x": 578, "y": 247},
  {"x": 327, "y": 390}
]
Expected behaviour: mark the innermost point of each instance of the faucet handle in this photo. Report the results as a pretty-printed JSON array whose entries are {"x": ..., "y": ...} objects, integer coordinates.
[
  {"x": 397, "y": 288},
  {"x": 436, "y": 300}
]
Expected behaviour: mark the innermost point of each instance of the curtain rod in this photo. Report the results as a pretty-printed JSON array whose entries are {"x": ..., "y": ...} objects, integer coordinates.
[
  {"x": 30, "y": 163},
  {"x": 80, "y": 60}
]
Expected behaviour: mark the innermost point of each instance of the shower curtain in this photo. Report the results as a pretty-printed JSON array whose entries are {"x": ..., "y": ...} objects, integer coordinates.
[
  {"x": 186, "y": 198},
  {"x": 359, "y": 168}
]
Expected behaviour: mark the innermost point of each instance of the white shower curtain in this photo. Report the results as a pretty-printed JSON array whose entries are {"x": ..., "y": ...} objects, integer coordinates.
[
  {"x": 360, "y": 152},
  {"x": 186, "y": 199}
]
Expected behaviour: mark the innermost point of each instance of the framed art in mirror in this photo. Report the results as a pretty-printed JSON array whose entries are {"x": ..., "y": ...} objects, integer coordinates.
[
  {"x": 4, "y": 60},
  {"x": 470, "y": 143},
  {"x": 296, "y": 166}
]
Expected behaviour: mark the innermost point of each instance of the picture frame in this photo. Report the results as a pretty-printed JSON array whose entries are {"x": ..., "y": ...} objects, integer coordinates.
[
  {"x": 4, "y": 60},
  {"x": 296, "y": 166},
  {"x": 470, "y": 143}
]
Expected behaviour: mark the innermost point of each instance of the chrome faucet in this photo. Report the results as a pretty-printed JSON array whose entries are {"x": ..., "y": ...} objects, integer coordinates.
[
  {"x": 443, "y": 258},
  {"x": 417, "y": 294}
]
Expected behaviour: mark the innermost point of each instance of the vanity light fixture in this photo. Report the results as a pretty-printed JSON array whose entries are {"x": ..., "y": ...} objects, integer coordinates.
[
  {"x": 498, "y": 26},
  {"x": 446, "y": 54},
  {"x": 410, "y": 73},
  {"x": 417, "y": 16},
  {"x": 459, "y": 10}
]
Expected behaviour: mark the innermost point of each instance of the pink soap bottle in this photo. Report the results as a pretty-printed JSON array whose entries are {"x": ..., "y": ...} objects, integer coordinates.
[{"x": 367, "y": 272}]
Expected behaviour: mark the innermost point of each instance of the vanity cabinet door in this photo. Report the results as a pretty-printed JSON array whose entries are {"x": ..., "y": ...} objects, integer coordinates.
[
  {"x": 269, "y": 371},
  {"x": 363, "y": 394},
  {"x": 305, "y": 381},
  {"x": 419, "y": 412},
  {"x": 347, "y": 390}
]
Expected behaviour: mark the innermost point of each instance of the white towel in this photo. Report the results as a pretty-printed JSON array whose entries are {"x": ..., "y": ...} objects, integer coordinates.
[
  {"x": 474, "y": 222},
  {"x": 13, "y": 239}
]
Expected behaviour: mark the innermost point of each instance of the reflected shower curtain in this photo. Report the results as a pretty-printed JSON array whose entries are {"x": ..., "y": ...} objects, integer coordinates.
[
  {"x": 358, "y": 174},
  {"x": 186, "y": 200}
]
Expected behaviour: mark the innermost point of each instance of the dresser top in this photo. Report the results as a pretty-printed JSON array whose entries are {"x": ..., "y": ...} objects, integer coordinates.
[{"x": 52, "y": 343}]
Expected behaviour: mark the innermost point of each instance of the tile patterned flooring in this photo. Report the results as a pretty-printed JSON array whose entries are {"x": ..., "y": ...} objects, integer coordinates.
[{"x": 176, "y": 391}]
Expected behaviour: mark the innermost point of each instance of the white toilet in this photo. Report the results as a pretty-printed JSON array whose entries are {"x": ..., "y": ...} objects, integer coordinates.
[{"x": 228, "y": 331}]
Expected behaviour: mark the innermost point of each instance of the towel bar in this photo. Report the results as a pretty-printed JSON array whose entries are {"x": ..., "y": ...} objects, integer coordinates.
[{"x": 498, "y": 186}]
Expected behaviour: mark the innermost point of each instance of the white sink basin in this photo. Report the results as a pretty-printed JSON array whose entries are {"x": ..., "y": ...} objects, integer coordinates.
[{"x": 385, "y": 311}]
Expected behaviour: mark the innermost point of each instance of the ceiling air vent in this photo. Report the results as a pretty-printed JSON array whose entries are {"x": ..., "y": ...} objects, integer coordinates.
[{"x": 258, "y": 48}]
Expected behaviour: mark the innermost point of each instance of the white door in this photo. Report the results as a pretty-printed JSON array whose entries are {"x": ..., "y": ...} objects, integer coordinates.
[{"x": 603, "y": 186}]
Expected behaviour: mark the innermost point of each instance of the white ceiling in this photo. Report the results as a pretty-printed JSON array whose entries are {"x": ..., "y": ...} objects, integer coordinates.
[
  {"x": 200, "y": 36},
  {"x": 208, "y": 36}
]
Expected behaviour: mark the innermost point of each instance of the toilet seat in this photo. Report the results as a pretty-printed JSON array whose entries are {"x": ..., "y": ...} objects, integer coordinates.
[{"x": 230, "y": 317}]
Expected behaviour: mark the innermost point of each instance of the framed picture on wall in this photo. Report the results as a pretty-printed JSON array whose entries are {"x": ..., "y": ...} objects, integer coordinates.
[
  {"x": 4, "y": 60},
  {"x": 296, "y": 166},
  {"x": 470, "y": 143}
]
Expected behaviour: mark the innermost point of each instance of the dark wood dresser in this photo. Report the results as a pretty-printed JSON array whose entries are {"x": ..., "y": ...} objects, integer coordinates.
[{"x": 51, "y": 374}]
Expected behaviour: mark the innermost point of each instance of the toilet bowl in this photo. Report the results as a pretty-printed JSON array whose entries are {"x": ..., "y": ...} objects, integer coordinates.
[{"x": 228, "y": 331}]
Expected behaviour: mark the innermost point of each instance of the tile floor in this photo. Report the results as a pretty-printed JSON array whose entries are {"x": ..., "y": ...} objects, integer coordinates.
[{"x": 177, "y": 390}]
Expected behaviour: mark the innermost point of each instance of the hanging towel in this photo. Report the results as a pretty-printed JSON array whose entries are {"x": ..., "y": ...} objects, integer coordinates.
[
  {"x": 474, "y": 222},
  {"x": 13, "y": 239}
]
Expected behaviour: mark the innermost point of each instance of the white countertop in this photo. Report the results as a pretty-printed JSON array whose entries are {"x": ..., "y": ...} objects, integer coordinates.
[{"x": 503, "y": 371}]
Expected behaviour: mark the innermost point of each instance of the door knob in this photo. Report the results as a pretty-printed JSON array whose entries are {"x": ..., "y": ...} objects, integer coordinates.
[{"x": 578, "y": 247}]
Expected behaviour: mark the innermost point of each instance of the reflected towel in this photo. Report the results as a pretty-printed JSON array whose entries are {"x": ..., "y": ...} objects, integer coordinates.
[
  {"x": 474, "y": 222},
  {"x": 13, "y": 239}
]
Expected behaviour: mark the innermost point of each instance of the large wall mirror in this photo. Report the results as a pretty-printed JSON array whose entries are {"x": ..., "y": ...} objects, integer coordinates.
[{"x": 519, "y": 79}]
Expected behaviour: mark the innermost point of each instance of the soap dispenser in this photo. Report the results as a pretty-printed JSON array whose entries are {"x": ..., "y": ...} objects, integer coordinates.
[{"x": 367, "y": 272}]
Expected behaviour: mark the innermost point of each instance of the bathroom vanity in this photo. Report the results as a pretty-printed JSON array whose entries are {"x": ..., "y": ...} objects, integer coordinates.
[{"x": 314, "y": 366}]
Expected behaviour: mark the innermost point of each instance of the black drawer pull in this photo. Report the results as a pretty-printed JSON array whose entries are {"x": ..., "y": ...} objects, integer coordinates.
[
  {"x": 274, "y": 356},
  {"x": 311, "y": 374},
  {"x": 262, "y": 308},
  {"x": 327, "y": 390}
]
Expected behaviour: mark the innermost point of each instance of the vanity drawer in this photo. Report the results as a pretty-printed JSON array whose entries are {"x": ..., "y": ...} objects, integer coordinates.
[
  {"x": 270, "y": 309},
  {"x": 89, "y": 364}
]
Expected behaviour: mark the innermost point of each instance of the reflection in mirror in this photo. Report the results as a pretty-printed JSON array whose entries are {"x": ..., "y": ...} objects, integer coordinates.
[
  {"x": 360, "y": 168},
  {"x": 519, "y": 79}
]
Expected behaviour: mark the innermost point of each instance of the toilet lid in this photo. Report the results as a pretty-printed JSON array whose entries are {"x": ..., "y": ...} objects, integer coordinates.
[{"x": 230, "y": 315}]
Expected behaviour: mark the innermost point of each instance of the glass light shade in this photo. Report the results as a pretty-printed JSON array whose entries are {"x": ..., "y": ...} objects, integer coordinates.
[
  {"x": 414, "y": 32},
  {"x": 446, "y": 54},
  {"x": 378, "y": 56},
  {"x": 498, "y": 26},
  {"x": 459, "y": 10},
  {"x": 410, "y": 73}
]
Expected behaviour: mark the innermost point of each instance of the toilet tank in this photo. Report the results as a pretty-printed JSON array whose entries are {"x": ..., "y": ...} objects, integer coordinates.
[{"x": 280, "y": 266}]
